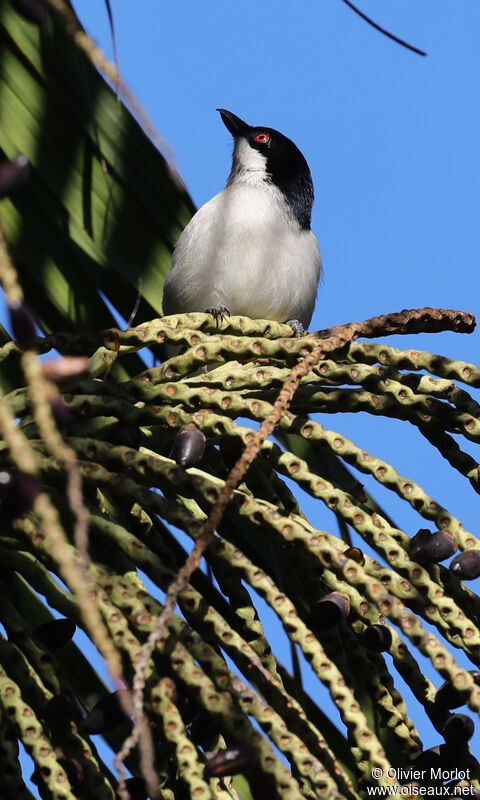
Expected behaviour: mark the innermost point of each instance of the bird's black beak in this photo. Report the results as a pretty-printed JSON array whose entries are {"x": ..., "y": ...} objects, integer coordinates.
[{"x": 235, "y": 125}]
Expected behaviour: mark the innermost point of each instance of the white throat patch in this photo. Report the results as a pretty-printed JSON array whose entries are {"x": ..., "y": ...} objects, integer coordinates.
[{"x": 247, "y": 160}]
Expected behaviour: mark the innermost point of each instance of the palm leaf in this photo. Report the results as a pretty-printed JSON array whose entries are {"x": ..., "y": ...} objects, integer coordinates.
[{"x": 102, "y": 209}]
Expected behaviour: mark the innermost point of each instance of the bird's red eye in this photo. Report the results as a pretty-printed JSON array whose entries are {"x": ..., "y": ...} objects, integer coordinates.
[{"x": 262, "y": 138}]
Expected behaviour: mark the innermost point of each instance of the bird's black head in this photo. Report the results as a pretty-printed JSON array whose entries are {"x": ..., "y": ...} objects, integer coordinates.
[{"x": 261, "y": 149}]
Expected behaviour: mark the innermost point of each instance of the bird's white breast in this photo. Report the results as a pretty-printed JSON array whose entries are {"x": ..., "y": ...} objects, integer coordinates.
[{"x": 244, "y": 249}]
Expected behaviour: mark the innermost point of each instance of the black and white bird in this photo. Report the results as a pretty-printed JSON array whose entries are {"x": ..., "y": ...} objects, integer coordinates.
[{"x": 249, "y": 250}]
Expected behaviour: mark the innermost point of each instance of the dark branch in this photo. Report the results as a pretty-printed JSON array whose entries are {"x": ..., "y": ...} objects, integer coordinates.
[
  {"x": 114, "y": 45},
  {"x": 385, "y": 32}
]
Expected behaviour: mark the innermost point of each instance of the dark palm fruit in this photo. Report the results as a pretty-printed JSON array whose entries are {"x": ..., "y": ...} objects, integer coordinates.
[
  {"x": 377, "y": 638},
  {"x": 23, "y": 326},
  {"x": 230, "y": 762},
  {"x": 188, "y": 446},
  {"x": 106, "y": 714},
  {"x": 74, "y": 770},
  {"x": 13, "y": 174},
  {"x": 432, "y": 547},
  {"x": 355, "y": 554},
  {"x": 61, "y": 369},
  {"x": 63, "y": 416},
  {"x": 329, "y": 611},
  {"x": 448, "y": 696},
  {"x": 458, "y": 729},
  {"x": 61, "y": 710},
  {"x": 54, "y": 634},
  {"x": 442, "y": 756},
  {"x": 137, "y": 789},
  {"x": 467, "y": 565},
  {"x": 33, "y": 10},
  {"x": 18, "y": 493}
]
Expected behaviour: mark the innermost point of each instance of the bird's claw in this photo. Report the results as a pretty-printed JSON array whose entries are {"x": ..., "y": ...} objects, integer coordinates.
[
  {"x": 218, "y": 313},
  {"x": 297, "y": 327}
]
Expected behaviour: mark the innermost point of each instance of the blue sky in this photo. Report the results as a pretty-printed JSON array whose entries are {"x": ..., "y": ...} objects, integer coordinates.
[{"x": 392, "y": 142}]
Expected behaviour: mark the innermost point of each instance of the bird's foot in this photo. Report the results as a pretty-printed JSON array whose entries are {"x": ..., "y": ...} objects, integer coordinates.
[
  {"x": 218, "y": 313},
  {"x": 297, "y": 327}
]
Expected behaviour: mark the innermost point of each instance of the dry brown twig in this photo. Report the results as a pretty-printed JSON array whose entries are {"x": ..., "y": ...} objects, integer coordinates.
[{"x": 425, "y": 320}]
